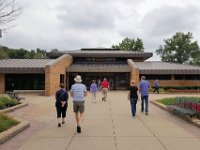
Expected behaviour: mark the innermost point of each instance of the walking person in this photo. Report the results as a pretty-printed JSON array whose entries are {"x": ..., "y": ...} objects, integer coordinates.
[
  {"x": 133, "y": 97},
  {"x": 78, "y": 92},
  {"x": 105, "y": 87},
  {"x": 156, "y": 86},
  {"x": 144, "y": 90},
  {"x": 99, "y": 84},
  {"x": 93, "y": 90},
  {"x": 61, "y": 104}
]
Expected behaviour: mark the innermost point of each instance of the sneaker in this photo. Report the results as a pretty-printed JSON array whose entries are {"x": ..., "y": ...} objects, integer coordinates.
[
  {"x": 63, "y": 122},
  {"x": 146, "y": 113},
  {"x": 78, "y": 129},
  {"x": 59, "y": 124}
]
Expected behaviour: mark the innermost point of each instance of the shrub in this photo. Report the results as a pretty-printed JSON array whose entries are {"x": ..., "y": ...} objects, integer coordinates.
[
  {"x": 6, "y": 122},
  {"x": 181, "y": 87},
  {"x": 2, "y": 105},
  {"x": 7, "y": 102}
]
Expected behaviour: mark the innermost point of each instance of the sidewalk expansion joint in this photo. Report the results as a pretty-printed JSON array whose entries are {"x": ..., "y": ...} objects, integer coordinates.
[
  {"x": 113, "y": 127},
  {"x": 152, "y": 133},
  {"x": 71, "y": 139}
]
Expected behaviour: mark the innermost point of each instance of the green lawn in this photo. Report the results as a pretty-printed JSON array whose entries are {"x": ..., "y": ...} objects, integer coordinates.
[
  {"x": 6, "y": 122},
  {"x": 167, "y": 101},
  {"x": 178, "y": 100}
]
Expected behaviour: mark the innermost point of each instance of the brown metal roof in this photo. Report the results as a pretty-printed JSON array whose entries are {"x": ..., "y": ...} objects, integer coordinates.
[
  {"x": 98, "y": 68},
  {"x": 111, "y": 53},
  {"x": 103, "y": 53},
  {"x": 157, "y": 67},
  {"x": 23, "y": 65},
  {"x": 148, "y": 67}
]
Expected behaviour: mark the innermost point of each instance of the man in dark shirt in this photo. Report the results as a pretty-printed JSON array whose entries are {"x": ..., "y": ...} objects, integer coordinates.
[{"x": 133, "y": 96}]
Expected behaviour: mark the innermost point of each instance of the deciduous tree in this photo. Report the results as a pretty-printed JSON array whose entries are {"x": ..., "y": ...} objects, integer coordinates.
[
  {"x": 130, "y": 45},
  {"x": 9, "y": 11},
  {"x": 180, "y": 49}
]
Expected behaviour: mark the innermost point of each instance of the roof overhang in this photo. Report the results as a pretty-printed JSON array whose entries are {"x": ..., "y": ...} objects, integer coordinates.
[
  {"x": 21, "y": 66},
  {"x": 22, "y": 70},
  {"x": 99, "y": 68},
  {"x": 164, "y": 68},
  {"x": 170, "y": 72},
  {"x": 126, "y": 54}
]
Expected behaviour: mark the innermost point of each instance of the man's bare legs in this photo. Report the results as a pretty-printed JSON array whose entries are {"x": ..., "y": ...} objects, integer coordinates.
[{"x": 79, "y": 118}]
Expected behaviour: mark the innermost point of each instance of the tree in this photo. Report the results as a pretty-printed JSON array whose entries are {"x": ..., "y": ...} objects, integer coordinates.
[
  {"x": 40, "y": 53},
  {"x": 180, "y": 49},
  {"x": 3, "y": 54},
  {"x": 9, "y": 11},
  {"x": 130, "y": 45}
]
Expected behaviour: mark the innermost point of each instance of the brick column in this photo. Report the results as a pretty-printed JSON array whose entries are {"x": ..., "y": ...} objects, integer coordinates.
[
  {"x": 53, "y": 71},
  {"x": 134, "y": 71},
  {"x": 2, "y": 83}
]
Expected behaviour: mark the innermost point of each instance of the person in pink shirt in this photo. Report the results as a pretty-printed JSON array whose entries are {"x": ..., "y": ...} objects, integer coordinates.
[{"x": 105, "y": 87}]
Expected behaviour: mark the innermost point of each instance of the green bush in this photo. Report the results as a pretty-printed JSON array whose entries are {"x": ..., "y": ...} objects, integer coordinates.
[
  {"x": 7, "y": 102},
  {"x": 6, "y": 122},
  {"x": 181, "y": 87},
  {"x": 2, "y": 105}
]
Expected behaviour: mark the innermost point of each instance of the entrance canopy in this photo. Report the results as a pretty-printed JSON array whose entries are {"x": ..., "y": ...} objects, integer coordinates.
[{"x": 99, "y": 68}]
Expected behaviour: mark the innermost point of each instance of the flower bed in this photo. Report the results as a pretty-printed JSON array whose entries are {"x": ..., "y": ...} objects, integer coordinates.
[{"x": 191, "y": 103}]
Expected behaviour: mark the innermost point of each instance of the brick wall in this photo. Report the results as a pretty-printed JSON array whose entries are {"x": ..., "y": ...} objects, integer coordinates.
[
  {"x": 53, "y": 71},
  {"x": 2, "y": 83},
  {"x": 176, "y": 82},
  {"x": 134, "y": 75}
]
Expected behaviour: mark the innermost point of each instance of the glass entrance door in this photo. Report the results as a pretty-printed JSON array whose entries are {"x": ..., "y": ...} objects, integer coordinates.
[{"x": 118, "y": 81}]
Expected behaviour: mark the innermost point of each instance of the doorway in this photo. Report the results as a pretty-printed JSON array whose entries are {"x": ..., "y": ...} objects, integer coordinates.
[{"x": 118, "y": 81}]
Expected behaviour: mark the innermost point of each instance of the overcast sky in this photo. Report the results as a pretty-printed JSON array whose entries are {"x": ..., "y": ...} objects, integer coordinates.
[{"x": 76, "y": 24}]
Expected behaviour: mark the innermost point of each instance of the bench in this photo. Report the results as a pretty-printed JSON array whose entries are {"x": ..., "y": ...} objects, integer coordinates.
[
  {"x": 181, "y": 111},
  {"x": 14, "y": 95}
]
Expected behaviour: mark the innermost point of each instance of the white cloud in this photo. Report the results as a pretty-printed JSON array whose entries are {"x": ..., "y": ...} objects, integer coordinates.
[{"x": 66, "y": 24}]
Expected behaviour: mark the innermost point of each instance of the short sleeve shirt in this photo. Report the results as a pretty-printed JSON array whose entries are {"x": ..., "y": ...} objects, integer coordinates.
[
  {"x": 144, "y": 88},
  {"x": 78, "y": 90},
  {"x": 156, "y": 84},
  {"x": 93, "y": 87},
  {"x": 133, "y": 91},
  {"x": 105, "y": 84}
]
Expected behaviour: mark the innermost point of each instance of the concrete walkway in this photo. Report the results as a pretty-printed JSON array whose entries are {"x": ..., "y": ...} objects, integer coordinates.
[{"x": 106, "y": 126}]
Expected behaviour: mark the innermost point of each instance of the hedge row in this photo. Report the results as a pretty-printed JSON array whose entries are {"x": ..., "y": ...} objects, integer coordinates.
[{"x": 181, "y": 87}]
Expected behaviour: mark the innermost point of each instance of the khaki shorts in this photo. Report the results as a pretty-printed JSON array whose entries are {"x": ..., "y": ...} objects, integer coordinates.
[{"x": 79, "y": 106}]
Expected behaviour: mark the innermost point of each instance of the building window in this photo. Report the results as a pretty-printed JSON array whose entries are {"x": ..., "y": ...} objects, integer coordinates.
[
  {"x": 62, "y": 78},
  {"x": 159, "y": 77},
  {"x": 187, "y": 77},
  {"x": 25, "y": 82}
]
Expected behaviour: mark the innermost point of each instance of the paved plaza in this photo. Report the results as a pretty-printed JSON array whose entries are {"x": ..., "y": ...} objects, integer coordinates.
[{"x": 106, "y": 126}]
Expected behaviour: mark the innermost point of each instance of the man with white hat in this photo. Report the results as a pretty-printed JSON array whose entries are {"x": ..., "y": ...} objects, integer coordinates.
[{"x": 78, "y": 92}]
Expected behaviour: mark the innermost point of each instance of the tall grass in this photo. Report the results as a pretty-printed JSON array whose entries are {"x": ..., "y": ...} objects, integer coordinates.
[{"x": 6, "y": 122}]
